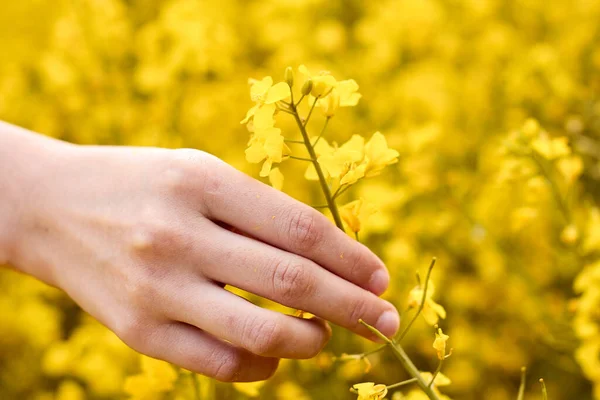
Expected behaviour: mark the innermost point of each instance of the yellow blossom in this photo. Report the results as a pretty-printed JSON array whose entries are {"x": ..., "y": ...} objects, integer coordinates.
[
  {"x": 378, "y": 155},
  {"x": 370, "y": 391},
  {"x": 276, "y": 178},
  {"x": 440, "y": 379},
  {"x": 432, "y": 311},
  {"x": 330, "y": 104},
  {"x": 250, "y": 389},
  {"x": 267, "y": 145},
  {"x": 439, "y": 344},
  {"x": 551, "y": 148},
  {"x": 569, "y": 234},
  {"x": 336, "y": 162},
  {"x": 263, "y": 92},
  {"x": 156, "y": 377},
  {"x": 322, "y": 83},
  {"x": 356, "y": 213},
  {"x": 570, "y": 167}
]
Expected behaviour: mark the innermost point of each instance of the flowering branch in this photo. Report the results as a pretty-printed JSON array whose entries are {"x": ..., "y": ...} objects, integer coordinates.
[
  {"x": 422, "y": 304},
  {"x": 405, "y": 361}
]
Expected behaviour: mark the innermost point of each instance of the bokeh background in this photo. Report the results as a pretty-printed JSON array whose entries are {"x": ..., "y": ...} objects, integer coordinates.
[{"x": 447, "y": 81}]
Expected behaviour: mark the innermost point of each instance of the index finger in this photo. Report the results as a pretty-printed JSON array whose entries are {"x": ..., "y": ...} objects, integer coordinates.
[{"x": 271, "y": 216}]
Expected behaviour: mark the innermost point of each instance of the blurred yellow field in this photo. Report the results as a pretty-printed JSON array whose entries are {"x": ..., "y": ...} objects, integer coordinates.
[{"x": 465, "y": 130}]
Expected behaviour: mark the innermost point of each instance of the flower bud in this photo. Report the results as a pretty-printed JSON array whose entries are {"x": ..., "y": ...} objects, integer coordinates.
[
  {"x": 289, "y": 76},
  {"x": 307, "y": 87}
]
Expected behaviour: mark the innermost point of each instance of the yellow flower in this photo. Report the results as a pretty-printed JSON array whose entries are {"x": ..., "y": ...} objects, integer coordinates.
[
  {"x": 570, "y": 167},
  {"x": 336, "y": 162},
  {"x": 570, "y": 234},
  {"x": 551, "y": 148},
  {"x": 276, "y": 178},
  {"x": 330, "y": 104},
  {"x": 378, "y": 155},
  {"x": 439, "y": 344},
  {"x": 156, "y": 377},
  {"x": 356, "y": 213},
  {"x": 440, "y": 379},
  {"x": 531, "y": 128},
  {"x": 268, "y": 145},
  {"x": 432, "y": 311},
  {"x": 370, "y": 391},
  {"x": 348, "y": 91},
  {"x": 321, "y": 83},
  {"x": 355, "y": 173},
  {"x": 70, "y": 390},
  {"x": 263, "y": 93},
  {"x": 250, "y": 389}
]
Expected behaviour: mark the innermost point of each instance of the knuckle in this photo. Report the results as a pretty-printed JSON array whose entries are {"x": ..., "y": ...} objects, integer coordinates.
[
  {"x": 292, "y": 282},
  {"x": 194, "y": 170},
  {"x": 154, "y": 234},
  {"x": 304, "y": 230},
  {"x": 135, "y": 330},
  {"x": 264, "y": 336},
  {"x": 224, "y": 366}
]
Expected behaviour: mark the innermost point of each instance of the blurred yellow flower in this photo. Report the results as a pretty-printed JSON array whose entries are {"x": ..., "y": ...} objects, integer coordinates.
[
  {"x": 155, "y": 378},
  {"x": 356, "y": 213},
  {"x": 439, "y": 344},
  {"x": 250, "y": 389},
  {"x": 378, "y": 155},
  {"x": 570, "y": 167},
  {"x": 432, "y": 311},
  {"x": 370, "y": 391},
  {"x": 551, "y": 148}
]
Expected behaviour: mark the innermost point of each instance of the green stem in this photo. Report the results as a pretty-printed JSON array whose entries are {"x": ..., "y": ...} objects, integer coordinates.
[
  {"x": 311, "y": 111},
  {"x": 405, "y": 361},
  {"x": 299, "y": 101},
  {"x": 521, "y": 395},
  {"x": 423, "y": 298},
  {"x": 300, "y": 158},
  {"x": 293, "y": 141},
  {"x": 403, "y": 383},
  {"x": 437, "y": 371},
  {"x": 544, "y": 391},
  {"x": 322, "y": 181},
  {"x": 322, "y": 131},
  {"x": 341, "y": 191}
]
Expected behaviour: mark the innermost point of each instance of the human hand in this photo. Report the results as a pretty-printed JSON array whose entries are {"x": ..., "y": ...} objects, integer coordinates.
[{"x": 140, "y": 238}]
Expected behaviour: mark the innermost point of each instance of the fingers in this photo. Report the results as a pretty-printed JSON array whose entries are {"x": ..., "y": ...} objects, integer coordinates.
[
  {"x": 293, "y": 281},
  {"x": 273, "y": 217},
  {"x": 197, "y": 351},
  {"x": 258, "y": 330}
]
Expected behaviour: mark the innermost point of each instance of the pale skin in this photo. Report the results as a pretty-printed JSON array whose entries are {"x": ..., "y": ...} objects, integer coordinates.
[{"x": 144, "y": 239}]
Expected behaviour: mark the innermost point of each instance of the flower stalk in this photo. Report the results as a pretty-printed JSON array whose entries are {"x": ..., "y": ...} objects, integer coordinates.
[
  {"x": 313, "y": 157},
  {"x": 405, "y": 361}
]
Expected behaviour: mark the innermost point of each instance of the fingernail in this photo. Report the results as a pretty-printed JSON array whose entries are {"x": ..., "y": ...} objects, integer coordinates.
[
  {"x": 379, "y": 281},
  {"x": 388, "y": 323}
]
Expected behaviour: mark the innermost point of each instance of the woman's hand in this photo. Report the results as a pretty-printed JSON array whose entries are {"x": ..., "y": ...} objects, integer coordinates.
[{"x": 142, "y": 239}]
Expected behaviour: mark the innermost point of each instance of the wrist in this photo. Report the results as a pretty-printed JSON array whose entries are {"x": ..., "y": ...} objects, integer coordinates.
[{"x": 24, "y": 158}]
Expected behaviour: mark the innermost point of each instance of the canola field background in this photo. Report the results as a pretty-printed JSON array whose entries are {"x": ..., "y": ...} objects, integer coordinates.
[{"x": 493, "y": 106}]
